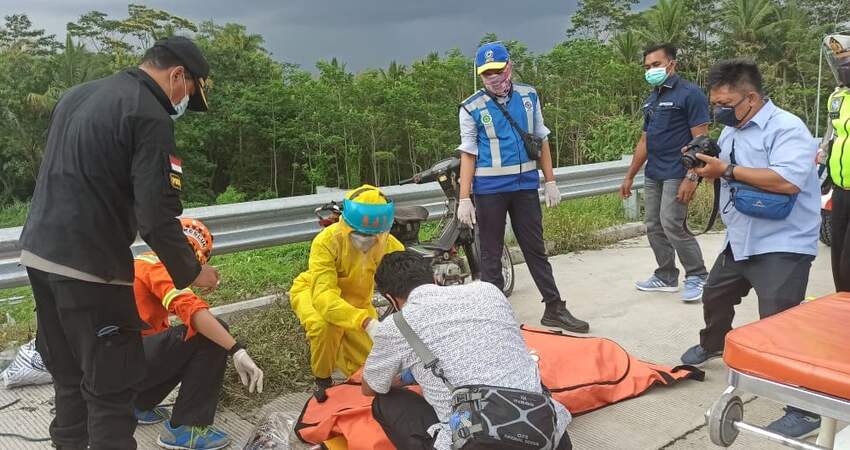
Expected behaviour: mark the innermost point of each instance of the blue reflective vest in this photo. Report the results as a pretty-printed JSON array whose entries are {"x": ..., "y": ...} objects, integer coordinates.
[{"x": 503, "y": 164}]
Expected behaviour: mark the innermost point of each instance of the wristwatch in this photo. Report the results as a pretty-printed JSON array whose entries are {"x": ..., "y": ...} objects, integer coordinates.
[
  {"x": 236, "y": 347},
  {"x": 729, "y": 173},
  {"x": 692, "y": 176}
]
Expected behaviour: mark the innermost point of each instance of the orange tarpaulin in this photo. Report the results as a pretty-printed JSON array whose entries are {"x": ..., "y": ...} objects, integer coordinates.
[{"x": 583, "y": 373}]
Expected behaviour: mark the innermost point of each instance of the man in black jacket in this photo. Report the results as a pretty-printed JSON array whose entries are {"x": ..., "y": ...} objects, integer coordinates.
[{"x": 109, "y": 172}]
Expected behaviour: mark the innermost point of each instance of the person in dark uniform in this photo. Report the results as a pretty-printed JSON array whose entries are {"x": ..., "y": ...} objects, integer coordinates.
[
  {"x": 675, "y": 112},
  {"x": 109, "y": 173}
]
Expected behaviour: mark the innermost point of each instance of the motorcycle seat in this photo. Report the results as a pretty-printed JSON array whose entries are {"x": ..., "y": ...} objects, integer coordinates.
[{"x": 408, "y": 214}]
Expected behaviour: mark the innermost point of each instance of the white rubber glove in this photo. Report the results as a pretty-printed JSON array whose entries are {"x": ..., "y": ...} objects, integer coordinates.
[
  {"x": 466, "y": 212},
  {"x": 371, "y": 328},
  {"x": 552, "y": 194},
  {"x": 248, "y": 371}
]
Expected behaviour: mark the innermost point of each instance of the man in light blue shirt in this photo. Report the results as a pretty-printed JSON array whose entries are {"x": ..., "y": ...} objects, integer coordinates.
[{"x": 770, "y": 149}]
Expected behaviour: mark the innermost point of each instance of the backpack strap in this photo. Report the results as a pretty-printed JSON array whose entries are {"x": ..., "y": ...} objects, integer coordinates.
[{"x": 422, "y": 351}]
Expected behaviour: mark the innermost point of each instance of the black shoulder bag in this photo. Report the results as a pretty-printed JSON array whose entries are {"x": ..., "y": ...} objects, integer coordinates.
[
  {"x": 533, "y": 144},
  {"x": 490, "y": 417}
]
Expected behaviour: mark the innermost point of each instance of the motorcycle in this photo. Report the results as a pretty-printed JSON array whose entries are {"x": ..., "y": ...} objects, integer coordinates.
[{"x": 455, "y": 255}]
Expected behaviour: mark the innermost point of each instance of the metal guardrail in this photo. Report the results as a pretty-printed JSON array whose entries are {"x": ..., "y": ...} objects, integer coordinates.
[{"x": 266, "y": 223}]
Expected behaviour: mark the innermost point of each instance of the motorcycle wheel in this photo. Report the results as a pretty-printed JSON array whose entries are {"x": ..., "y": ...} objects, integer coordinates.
[
  {"x": 382, "y": 306},
  {"x": 507, "y": 265},
  {"x": 507, "y": 271},
  {"x": 826, "y": 228}
]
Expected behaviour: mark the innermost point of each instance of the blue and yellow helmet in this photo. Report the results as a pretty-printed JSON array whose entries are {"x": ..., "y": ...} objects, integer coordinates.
[{"x": 367, "y": 210}]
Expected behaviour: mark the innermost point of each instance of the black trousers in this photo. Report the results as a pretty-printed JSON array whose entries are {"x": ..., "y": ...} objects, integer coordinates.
[
  {"x": 93, "y": 376},
  {"x": 840, "y": 244},
  {"x": 406, "y": 416},
  {"x": 780, "y": 281},
  {"x": 198, "y": 364},
  {"x": 491, "y": 211}
]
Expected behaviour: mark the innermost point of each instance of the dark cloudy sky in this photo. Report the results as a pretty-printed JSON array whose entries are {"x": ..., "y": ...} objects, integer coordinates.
[{"x": 362, "y": 33}]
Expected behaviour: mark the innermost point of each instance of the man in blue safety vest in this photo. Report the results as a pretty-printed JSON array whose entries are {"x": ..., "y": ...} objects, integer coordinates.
[{"x": 503, "y": 144}]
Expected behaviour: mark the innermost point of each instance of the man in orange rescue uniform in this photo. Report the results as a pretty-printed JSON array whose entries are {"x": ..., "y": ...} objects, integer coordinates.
[{"x": 193, "y": 354}]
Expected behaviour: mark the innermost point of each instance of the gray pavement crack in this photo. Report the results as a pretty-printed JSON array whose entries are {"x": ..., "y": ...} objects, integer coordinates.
[{"x": 693, "y": 430}]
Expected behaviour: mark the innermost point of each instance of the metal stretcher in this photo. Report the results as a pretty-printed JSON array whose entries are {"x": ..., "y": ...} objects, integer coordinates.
[{"x": 800, "y": 357}]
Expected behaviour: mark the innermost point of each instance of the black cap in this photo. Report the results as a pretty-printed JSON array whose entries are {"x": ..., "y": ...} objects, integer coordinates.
[{"x": 193, "y": 60}]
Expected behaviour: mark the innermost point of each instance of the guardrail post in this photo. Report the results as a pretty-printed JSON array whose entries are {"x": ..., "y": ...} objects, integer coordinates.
[{"x": 631, "y": 205}]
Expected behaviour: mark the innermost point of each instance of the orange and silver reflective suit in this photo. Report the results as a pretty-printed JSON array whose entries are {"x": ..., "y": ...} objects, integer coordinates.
[{"x": 157, "y": 297}]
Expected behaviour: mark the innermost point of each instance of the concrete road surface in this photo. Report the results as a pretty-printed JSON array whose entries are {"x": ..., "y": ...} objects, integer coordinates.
[
  {"x": 598, "y": 287},
  {"x": 658, "y": 327}
]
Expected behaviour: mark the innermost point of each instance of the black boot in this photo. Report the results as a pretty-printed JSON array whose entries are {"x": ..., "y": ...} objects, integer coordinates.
[
  {"x": 323, "y": 384},
  {"x": 557, "y": 315}
]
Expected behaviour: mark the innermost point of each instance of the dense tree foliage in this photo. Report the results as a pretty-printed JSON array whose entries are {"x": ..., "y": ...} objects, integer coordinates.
[{"x": 275, "y": 129}]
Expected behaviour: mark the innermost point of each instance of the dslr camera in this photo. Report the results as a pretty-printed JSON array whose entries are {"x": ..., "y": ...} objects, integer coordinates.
[{"x": 700, "y": 144}]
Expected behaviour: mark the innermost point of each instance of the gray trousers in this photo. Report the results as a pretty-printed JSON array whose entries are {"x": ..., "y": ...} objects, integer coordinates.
[{"x": 665, "y": 228}]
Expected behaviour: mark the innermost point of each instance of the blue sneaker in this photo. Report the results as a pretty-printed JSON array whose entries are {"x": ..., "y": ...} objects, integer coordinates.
[
  {"x": 192, "y": 438},
  {"x": 655, "y": 284},
  {"x": 697, "y": 355},
  {"x": 152, "y": 416},
  {"x": 795, "y": 424},
  {"x": 693, "y": 288}
]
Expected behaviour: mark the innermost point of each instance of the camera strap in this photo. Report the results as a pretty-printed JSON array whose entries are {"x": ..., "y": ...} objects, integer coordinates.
[
  {"x": 715, "y": 209},
  {"x": 508, "y": 116}
]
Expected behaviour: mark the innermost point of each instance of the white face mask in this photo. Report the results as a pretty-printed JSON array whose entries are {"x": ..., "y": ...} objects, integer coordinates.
[
  {"x": 181, "y": 108},
  {"x": 184, "y": 103},
  {"x": 363, "y": 242}
]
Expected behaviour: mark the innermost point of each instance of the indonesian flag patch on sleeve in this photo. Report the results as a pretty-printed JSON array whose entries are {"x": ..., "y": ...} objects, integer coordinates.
[
  {"x": 176, "y": 164},
  {"x": 175, "y": 178}
]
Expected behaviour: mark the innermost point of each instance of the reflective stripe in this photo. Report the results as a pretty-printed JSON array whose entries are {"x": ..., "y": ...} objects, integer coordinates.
[
  {"x": 529, "y": 114},
  {"x": 172, "y": 294},
  {"x": 151, "y": 259},
  {"x": 495, "y": 152},
  {"x": 523, "y": 89},
  {"x": 525, "y": 92},
  {"x": 508, "y": 170}
]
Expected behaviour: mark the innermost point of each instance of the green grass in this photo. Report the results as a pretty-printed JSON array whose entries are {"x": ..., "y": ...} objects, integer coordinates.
[
  {"x": 13, "y": 215},
  {"x": 275, "y": 341},
  {"x": 574, "y": 224},
  {"x": 16, "y": 304},
  {"x": 253, "y": 273}
]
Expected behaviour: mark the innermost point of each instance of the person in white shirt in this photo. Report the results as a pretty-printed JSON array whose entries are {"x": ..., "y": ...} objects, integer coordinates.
[{"x": 470, "y": 328}]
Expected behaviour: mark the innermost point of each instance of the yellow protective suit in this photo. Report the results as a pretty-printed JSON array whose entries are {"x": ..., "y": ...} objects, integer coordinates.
[{"x": 334, "y": 296}]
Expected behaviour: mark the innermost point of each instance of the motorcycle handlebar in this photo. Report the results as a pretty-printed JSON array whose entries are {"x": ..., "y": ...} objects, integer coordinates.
[
  {"x": 421, "y": 177},
  {"x": 429, "y": 175}
]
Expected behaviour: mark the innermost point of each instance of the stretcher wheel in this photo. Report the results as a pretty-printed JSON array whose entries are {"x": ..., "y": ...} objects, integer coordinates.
[{"x": 727, "y": 410}]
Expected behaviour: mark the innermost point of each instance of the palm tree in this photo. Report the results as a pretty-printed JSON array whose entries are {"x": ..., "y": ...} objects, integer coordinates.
[
  {"x": 394, "y": 72},
  {"x": 668, "y": 21},
  {"x": 75, "y": 65},
  {"x": 750, "y": 24},
  {"x": 627, "y": 46}
]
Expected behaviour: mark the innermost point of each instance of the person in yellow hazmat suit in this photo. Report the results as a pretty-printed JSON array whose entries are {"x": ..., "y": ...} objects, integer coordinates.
[{"x": 333, "y": 298}]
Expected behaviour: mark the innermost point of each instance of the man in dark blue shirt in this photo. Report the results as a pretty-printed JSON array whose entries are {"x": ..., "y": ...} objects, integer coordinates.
[{"x": 674, "y": 113}]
